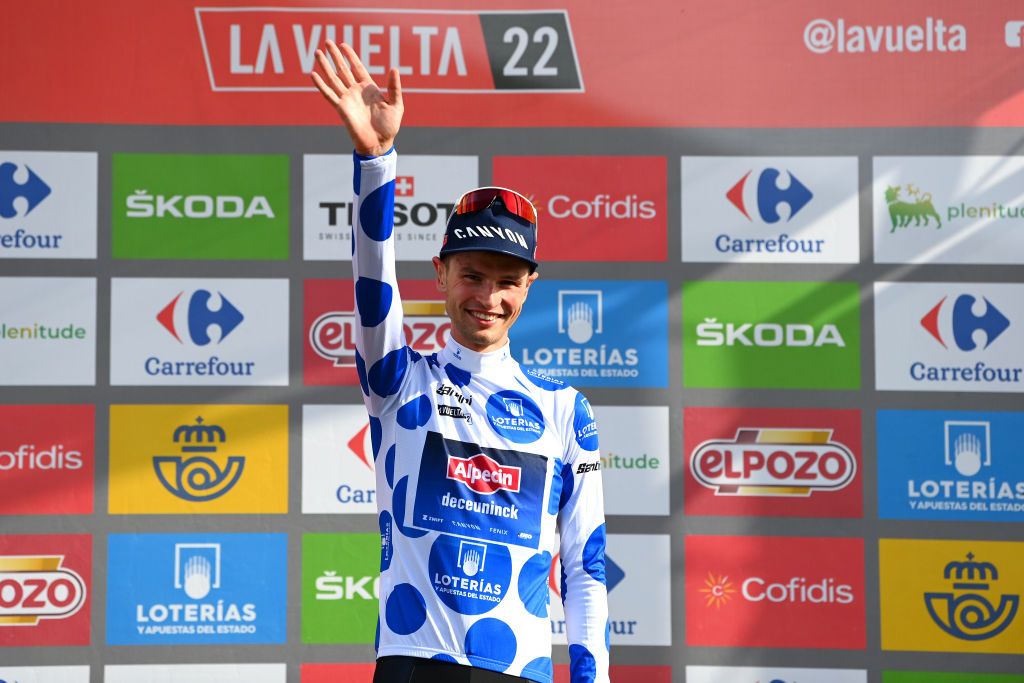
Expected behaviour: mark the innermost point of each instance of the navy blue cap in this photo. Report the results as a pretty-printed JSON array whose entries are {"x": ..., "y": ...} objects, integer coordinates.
[{"x": 491, "y": 229}]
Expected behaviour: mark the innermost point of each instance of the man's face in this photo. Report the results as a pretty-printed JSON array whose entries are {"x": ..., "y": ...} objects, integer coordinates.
[{"x": 484, "y": 293}]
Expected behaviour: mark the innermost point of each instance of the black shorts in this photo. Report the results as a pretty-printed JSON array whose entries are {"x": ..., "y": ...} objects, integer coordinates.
[{"x": 416, "y": 670}]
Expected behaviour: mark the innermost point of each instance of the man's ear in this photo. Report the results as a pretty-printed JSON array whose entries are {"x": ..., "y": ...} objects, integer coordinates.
[{"x": 441, "y": 273}]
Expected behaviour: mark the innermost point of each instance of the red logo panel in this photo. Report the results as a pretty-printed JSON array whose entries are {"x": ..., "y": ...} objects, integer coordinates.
[
  {"x": 593, "y": 208},
  {"x": 332, "y": 673},
  {"x": 775, "y": 592},
  {"x": 45, "y": 586},
  {"x": 329, "y": 343},
  {"x": 772, "y": 462},
  {"x": 624, "y": 674},
  {"x": 484, "y": 474},
  {"x": 46, "y": 459}
]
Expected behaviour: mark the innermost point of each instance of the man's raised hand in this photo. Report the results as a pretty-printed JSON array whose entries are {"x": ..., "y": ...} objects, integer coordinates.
[{"x": 371, "y": 115}]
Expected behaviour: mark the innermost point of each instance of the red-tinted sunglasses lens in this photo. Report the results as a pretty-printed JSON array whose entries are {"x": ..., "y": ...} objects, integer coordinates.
[{"x": 477, "y": 200}]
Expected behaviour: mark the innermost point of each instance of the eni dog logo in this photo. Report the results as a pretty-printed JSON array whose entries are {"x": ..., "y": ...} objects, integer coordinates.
[
  {"x": 966, "y": 612},
  {"x": 194, "y": 475}
]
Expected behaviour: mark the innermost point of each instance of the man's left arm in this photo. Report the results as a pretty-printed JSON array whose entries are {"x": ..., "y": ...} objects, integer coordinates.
[{"x": 582, "y": 530}]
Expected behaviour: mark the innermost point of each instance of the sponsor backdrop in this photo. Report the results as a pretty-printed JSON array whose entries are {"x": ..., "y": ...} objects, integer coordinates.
[{"x": 780, "y": 252}]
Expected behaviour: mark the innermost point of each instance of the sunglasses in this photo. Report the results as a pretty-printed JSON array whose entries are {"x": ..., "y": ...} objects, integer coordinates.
[{"x": 483, "y": 197}]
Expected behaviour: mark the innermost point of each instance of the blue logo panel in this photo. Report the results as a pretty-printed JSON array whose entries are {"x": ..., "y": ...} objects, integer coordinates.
[
  {"x": 514, "y": 416},
  {"x": 598, "y": 333},
  {"x": 483, "y": 493},
  {"x": 196, "y": 589},
  {"x": 469, "y": 576},
  {"x": 950, "y": 465}
]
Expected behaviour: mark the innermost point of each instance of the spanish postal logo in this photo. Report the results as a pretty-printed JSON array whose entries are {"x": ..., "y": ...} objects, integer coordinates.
[
  {"x": 951, "y": 465},
  {"x": 44, "y": 589},
  {"x": 949, "y": 337},
  {"x": 948, "y": 209},
  {"x": 210, "y": 332},
  {"x": 425, "y": 195},
  {"x": 816, "y": 585},
  {"x": 196, "y": 589},
  {"x": 47, "y": 459},
  {"x": 340, "y": 453},
  {"x": 770, "y": 210},
  {"x": 596, "y": 333},
  {"x": 951, "y": 596},
  {"x": 195, "y": 673},
  {"x": 340, "y": 588},
  {"x": 188, "y": 459},
  {"x": 48, "y": 204},
  {"x": 329, "y": 321},
  {"x": 751, "y": 674},
  {"x": 777, "y": 462}
]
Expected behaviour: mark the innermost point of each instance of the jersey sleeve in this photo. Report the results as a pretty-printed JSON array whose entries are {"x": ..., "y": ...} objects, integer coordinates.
[
  {"x": 382, "y": 358},
  {"x": 582, "y": 533}
]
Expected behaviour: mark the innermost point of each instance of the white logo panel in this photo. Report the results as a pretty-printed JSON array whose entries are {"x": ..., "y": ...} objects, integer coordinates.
[
  {"x": 949, "y": 336},
  {"x": 752, "y": 674},
  {"x": 634, "y": 459},
  {"x": 426, "y": 189},
  {"x": 194, "y": 332},
  {"x": 337, "y": 460},
  {"x": 770, "y": 209},
  {"x": 939, "y": 209},
  {"x": 48, "y": 204},
  {"x": 44, "y": 674},
  {"x": 195, "y": 673},
  {"x": 638, "y": 573},
  {"x": 47, "y": 331}
]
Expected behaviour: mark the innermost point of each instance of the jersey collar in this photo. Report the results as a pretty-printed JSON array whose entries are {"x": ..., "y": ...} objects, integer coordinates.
[{"x": 473, "y": 361}]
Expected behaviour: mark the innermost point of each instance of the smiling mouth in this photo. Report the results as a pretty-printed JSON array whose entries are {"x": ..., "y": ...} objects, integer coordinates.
[{"x": 484, "y": 317}]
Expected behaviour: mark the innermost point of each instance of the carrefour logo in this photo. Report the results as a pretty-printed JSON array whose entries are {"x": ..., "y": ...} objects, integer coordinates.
[
  {"x": 193, "y": 318},
  {"x": 772, "y": 192},
  {"x": 38, "y": 587},
  {"x": 32, "y": 191},
  {"x": 966, "y": 323},
  {"x": 966, "y": 611}
]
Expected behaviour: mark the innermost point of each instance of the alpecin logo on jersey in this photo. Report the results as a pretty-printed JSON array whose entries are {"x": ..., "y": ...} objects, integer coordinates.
[{"x": 484, "y": 475}]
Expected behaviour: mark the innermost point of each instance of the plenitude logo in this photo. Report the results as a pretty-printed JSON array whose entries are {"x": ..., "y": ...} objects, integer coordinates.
[
  {"x": 770, "y": 210},
  {"x": 426, "y": 190},
  {"x": 188, "y": 459},
  {"x": 772, "y": 462},
  {"x": 340, "y": 587},
  {"x": 634, "y": 459},
  {"x": 47, "y": 204},
  {"x": 951, "y": 465},
  {"x": 46, "y": 459},
  {"x": 786, "y": 335},
  {"x": 951, "y": 596},
  {"x": 739, "y": 589},
  {"x": 949, "y": 337},
  {"x": 329, "y": 321},
  {"x": 195, "y": 206},
  {"x": 338, "y": 460},
  {"x": 946, "y": 209},
  {"x": 585, "y": 204},
  {"x": 750, "y": 674},
  {"x": 46, "y": 588},
  {"x": 200, "y": 589}
]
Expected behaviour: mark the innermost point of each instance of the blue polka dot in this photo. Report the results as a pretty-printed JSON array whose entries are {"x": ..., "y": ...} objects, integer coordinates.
[
  {"x": 387, "y": 546},
  {"x": 357, "y": 173},
  {"x": 398, "y": 504},
  {"x": 583, "y": 424},
  {"x": 564, "y": 582},
  {"x": 445, "y": 658},
  {"x": 608, "y": 635},
  {"x": 389, "y": 467},
  {"x": 415, "y": 413},
  {"x": 533, "y": 584},
  {"x": 373, "y": 301},
  {"x": 386, "y": 375},
  {"x": 361, "y": 371},
  {"x": 556, "y": 488},
  {"x": 491, "y": 644},
  {"x": 406, "y": 610},
  {"x": 458, "y": 376},
  {"x": 482, "y": 572},
  {"x": 593, "y": 554},
  {"x": 376, "y": 434},
  {"x": 543, "y": 381},
  {"x": 538, "y": 670},
  {"x": 568, "y": 484},
  {"x": 582, "y": 665},
  {"x": 416, "y": 356},
  {"x": 377, "y": 212},
  {"x": 376, "y": 637}
]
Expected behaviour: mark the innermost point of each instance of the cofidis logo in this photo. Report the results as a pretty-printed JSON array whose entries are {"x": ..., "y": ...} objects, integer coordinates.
[
  {"x": 199, "y": 332},
  {"x": 772, "y": 462},
  {"x": 339, "y": 462},
  {"x": 952, "y": 596},
  {"x": 46, "y": 459},
  {"x": 44, "y": 589},
  {"x": 595, "y": 332},
  {"x": 815, "y": 586},
  {"x": 169, "y": 589},
  {"x": 949, "y": 337},
  {"x": 950, "y": 465},
  {"x": 340, "y": 587},
  {"x": 785, "y": 335},
  {"x": 191, "y": 206},
  {"x": 188, "y": 459},
  {"x": 329, "y": 321}
]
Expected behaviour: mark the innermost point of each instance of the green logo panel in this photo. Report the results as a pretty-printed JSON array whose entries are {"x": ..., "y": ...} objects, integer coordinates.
[
  {"x": 200, "y": 206},
  {"x": 340, "y": 575},
  {"x": 773, "y": 335},
  {"x": 932, "y": 677}
]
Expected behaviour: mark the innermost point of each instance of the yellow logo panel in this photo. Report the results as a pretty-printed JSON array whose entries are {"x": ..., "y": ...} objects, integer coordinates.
[
  {"x": 194, "y": 459},
  {"x": 952, "y": 596}
]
